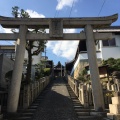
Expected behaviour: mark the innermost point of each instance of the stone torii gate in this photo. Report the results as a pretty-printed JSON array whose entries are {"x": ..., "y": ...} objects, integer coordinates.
[{"x": 55, "y": 26}]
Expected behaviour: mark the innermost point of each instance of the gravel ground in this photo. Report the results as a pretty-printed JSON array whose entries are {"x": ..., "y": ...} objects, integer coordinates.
[{"x": 56, "y": 104}]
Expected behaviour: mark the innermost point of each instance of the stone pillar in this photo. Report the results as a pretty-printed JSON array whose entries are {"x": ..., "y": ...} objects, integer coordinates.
[
  {"x": 114, "y": 108},
  {"x": 96, "y": 85},
  {"x": 118, "y": 85},
  {"x": 26, "y": 96},
  {"x": 76, "y": 87},
  {"x": 32, "y": 89},
  {"x": 84, "y": 96},
  {"x": 13, "y": 96},
  {"x": 108, "y": 86},
  {"x": 1, "y": 116}
]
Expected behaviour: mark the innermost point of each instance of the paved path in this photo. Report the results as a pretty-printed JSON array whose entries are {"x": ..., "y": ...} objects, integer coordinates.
[{"x": 56, "y": 105}]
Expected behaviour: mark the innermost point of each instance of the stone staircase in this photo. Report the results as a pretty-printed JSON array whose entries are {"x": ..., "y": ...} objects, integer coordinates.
[
  {"x": 82, "y": 113},
  {"x": 28, "y": 113}
]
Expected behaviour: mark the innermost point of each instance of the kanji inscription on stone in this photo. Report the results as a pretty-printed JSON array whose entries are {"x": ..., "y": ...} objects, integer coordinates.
[{"x": 56, "y": 28}]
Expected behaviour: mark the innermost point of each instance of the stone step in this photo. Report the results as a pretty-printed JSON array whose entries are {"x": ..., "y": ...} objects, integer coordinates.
[
  {"x": 81, "y": 110},
  {"x": 106, "y": 119},
  {"x": 77, "y": 106},
  {"x": 77, "y": 101},
  {"x": 73, "y": 97},
  {"x": 89, "y": 118},
  {"x": 30, "y": 110},
  {"x": 94, "y": 113},
  {"x": 83, "y": 113},
  {"x": 35, "y": 104},
  {"x": 33, "y": 107},
  {"x": 22, "y": 118},
  {"x": 28, "y": 114}
]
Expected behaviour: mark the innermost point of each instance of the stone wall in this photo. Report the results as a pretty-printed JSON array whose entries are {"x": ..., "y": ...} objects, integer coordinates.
[{"x": 5, "y": 65}]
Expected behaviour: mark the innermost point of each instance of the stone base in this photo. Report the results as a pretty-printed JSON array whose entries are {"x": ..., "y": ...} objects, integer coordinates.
[
  {"x": 98, "y": 114},
  {"x": 113, "y": 116},
  {"x": 114, "y": 108},
  {"x": 1, "y": 116}
]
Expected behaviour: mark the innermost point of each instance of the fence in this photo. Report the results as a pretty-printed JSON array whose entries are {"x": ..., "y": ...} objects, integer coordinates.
[
  {"x": 28, "y": 94},
  {"x": 84, "y": 93}
]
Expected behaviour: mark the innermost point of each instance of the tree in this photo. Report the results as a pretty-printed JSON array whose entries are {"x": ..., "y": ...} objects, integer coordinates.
[
  {"x": 113, "y": 64},
  {"x": 38, "y": 45},
  {"x": 83, "y": 76}
]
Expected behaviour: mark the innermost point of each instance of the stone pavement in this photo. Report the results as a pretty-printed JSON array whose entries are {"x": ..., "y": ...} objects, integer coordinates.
[{"x": 56, "y": 104}]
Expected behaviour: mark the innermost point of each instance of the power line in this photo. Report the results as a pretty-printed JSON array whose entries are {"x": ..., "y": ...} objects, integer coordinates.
[
  {"x": 56, "y": 13},
  {"x": 102, "y": 7},
  {"x": 71, "y": 8}
]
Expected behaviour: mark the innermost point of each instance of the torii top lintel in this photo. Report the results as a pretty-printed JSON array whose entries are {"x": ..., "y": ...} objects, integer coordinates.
[{"x": 96, "y": 22}]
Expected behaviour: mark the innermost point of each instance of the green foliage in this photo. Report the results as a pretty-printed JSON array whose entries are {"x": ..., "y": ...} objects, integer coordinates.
[
  {"x": 16, "y": 12},
  {"x": 113, "y": 64},
  {"x": 41, "y": 70},
  {"x": 83, "y": 76},
  {"x": 47, "y": 71}
]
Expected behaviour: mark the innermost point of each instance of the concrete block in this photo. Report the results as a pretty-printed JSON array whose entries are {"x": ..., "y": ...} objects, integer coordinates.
[
  {"x": 115, "y": 109},
  {"x": 113, "y": 116},
  {"x": 110, "y": 115},
  {"x": 115, "y": 100}
]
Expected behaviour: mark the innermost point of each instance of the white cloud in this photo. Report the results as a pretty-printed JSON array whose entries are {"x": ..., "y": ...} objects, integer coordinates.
[
  {"x": 4, "y": 30},
  {"x": 34, "y": 14},
  {"x": 64, "y": 3},
  {"x": 66, "y": 49}
]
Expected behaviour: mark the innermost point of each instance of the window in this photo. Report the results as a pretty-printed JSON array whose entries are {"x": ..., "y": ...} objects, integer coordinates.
[{"x": 109, "y": 42}]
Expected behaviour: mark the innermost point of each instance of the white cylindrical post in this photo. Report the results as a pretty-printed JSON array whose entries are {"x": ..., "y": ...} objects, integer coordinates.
[
  {"x": 96, "y": 85},
  {"x": 13, "y": 95}
]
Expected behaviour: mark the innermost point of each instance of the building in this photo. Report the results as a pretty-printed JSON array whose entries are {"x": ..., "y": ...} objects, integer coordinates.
[
  {"x": 7, "y": 57},
  {"x": 6, "y": 65},
  {"x": 8, "y": 50},
  {"x": 59, "y": 70},
  {"x": 104, "y": 50}
]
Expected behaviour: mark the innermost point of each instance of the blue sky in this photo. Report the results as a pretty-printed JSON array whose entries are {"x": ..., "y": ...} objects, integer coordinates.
[{"x": 61, "y": 51}]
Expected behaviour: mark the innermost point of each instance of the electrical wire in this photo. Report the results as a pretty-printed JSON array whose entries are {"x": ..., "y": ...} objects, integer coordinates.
[
  {"x": 56, "y": 15},
  {"x": 102, "y": 7},
  {"x": 71, "y": 8}
]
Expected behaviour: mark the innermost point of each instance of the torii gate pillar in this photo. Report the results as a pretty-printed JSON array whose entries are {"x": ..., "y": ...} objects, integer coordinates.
[
  {"x": 96, "y": 85},
  {"x": 13, "y": 96}
]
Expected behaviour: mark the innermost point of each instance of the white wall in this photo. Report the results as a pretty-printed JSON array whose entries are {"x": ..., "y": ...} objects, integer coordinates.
[
  {"x": 105, "y": 52},
  {"x": 111, "y": 51},
  {"x": 83, "y": 56},
  {"x": 36, "y": 58}
]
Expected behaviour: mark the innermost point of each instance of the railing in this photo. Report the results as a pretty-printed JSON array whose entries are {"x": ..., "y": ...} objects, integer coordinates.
[
  {"x": 84, "y": 93},
  {"x": 28, "y": 94}
]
